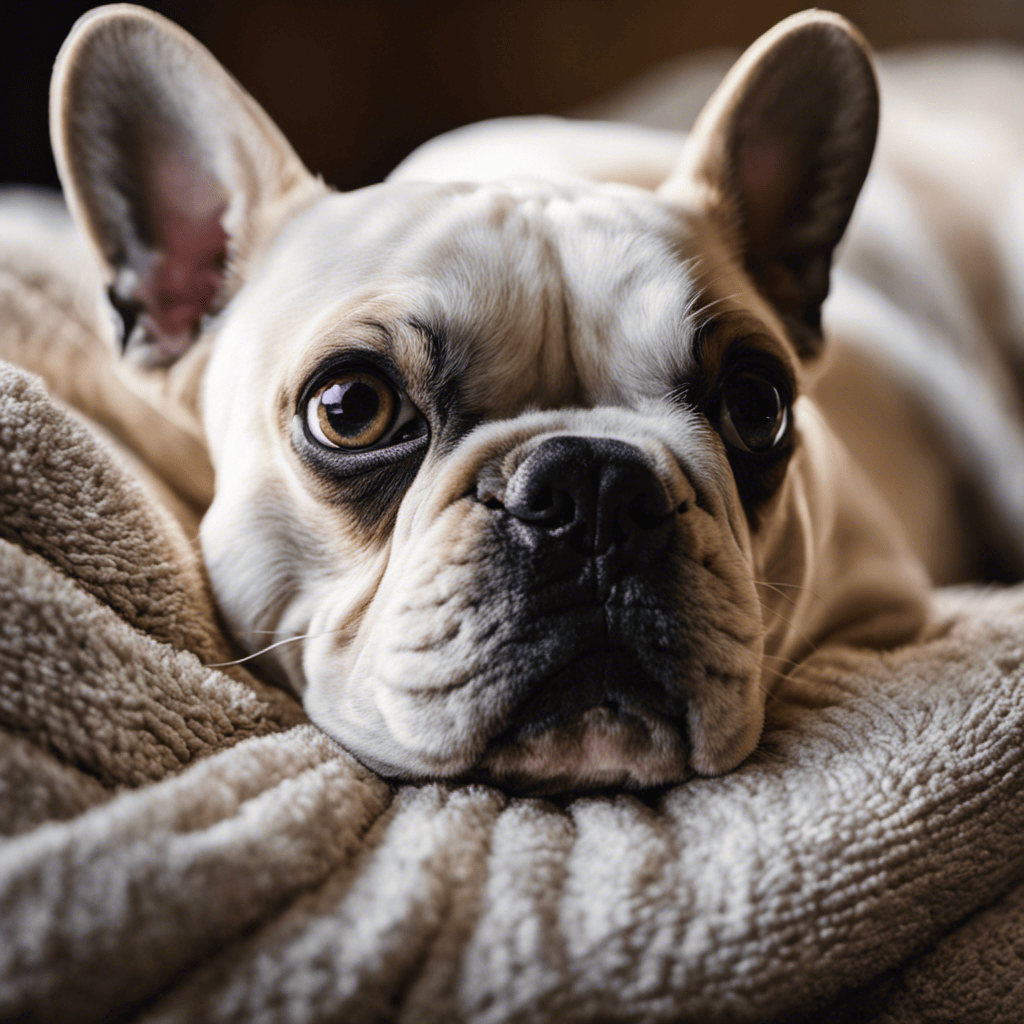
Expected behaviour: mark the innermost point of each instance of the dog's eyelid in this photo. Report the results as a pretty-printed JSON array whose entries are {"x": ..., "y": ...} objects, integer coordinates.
[
  {"x": 714, "y": 327},
  {"x": 337, "y": 464},
  {"x": 710, "y": 363},
  {"x": 352, "y": 360},
  {"x": 759, "y": 351}
]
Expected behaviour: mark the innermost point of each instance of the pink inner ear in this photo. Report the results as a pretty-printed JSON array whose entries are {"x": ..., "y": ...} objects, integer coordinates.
[
  {"x": 761, "y": 164},
  {"x": 768, "y": 180},
  {"x": 182, "y": 282}
]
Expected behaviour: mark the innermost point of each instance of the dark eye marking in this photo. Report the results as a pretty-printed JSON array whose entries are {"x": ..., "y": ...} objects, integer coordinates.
[
  {"x": 752, "y": 409},
  {"x": 745, "y": 388}
]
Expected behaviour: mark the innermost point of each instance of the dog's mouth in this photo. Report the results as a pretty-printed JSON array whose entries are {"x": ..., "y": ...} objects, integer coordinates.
[
  {"x": 600, "y": 721},
  {"x": 607, "y": 677}
]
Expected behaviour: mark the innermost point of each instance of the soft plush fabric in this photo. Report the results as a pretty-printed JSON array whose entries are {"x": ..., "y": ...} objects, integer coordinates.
[{"x": 181, "y": 844}]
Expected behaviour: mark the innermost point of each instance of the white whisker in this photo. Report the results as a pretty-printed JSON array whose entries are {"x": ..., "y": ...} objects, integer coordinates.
[
  {"x": 811, "y": 645},
  {"x": 270, "y": 647}
]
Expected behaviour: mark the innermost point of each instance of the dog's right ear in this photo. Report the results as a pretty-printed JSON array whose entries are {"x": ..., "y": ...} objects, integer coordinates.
[
  {"x": 778, "y": 156},
  {"x": 170, "y": 168}
]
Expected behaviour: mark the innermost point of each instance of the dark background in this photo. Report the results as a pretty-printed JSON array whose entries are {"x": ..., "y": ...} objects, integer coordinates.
[{"x": 356, "y": 84}]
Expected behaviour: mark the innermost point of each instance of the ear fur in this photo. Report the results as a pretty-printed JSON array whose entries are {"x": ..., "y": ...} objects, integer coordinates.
[
  {"x": 778, "y": 157},
  {"x": 170, "y": 168}
]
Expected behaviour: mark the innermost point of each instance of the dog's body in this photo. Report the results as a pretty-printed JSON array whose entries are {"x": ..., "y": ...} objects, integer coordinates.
[{"x": 520, "y": 442}]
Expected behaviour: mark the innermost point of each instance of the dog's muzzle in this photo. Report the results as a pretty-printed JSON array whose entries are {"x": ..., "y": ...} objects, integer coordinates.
[{"x": 589, "y": 525}]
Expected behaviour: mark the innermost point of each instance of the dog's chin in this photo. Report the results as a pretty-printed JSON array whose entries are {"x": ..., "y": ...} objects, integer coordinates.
[{"x": 600, "y": 747}]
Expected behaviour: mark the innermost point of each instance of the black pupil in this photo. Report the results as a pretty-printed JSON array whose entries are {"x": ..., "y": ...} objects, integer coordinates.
[
  {"x": 351, "y": 407},
  {"x": 755, "y": 409}
]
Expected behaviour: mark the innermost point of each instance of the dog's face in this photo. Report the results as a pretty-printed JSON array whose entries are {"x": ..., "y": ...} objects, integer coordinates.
[
  {"x": 515, "y": 458},
  {"x": 513, "y": 539}
]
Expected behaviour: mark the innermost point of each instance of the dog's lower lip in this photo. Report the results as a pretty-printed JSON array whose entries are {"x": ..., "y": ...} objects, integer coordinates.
[
  {"x": 555, "y": 721},
  {"x": 605, "y": 677}
]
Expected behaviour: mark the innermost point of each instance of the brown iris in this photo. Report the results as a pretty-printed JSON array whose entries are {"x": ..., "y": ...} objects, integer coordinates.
[{"x": 352, "y": 410}]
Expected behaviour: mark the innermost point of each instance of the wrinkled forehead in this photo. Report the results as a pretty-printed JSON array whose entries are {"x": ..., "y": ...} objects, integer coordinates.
[{"x": 537, "y": 293}]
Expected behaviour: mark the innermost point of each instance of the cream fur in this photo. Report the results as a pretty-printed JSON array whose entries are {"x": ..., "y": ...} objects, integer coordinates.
[{"x": 569, "y": 299}]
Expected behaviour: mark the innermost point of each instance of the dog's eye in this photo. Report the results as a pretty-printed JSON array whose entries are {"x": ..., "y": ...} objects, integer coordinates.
[
  {"x": 354, "y": 410},
  {"x": 753, "y": 416}
]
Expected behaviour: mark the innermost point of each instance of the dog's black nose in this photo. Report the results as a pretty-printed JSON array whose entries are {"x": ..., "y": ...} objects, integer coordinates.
[{"x": 595, "y": 493}]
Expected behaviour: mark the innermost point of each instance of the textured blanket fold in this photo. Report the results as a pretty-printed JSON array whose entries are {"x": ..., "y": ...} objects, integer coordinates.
[{"x": 182, "y": 845}]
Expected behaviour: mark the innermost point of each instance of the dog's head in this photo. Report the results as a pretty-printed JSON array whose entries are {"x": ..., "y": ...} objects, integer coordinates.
[{"x": 518, "y": 459}]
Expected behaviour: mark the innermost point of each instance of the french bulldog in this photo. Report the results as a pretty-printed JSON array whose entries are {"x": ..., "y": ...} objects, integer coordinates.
[{"x": 517, "y": 475}]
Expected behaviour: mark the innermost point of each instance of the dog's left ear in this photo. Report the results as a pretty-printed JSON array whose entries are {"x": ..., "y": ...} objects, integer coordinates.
[
  {"x": 778, "y": 157},
  {"x": 171, "y": 169}
]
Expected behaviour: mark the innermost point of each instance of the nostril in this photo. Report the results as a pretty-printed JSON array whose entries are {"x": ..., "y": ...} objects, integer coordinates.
[
  {"x": 593, "y": 494},
  {"x": 542, "y": 500},
  {"x": 553, "y": 508}
]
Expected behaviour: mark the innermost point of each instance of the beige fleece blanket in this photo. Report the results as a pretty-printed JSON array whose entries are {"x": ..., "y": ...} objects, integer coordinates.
[{"x": 182, "y": 845}]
